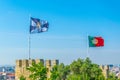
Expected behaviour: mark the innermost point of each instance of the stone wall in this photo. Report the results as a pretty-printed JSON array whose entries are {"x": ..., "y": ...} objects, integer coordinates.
[
  {"x": 21, "y": 65},
  {"x": 105, "y": 70}
]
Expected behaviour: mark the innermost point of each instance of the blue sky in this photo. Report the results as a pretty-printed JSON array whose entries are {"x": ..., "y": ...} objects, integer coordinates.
[{"x": 70, "y": 23}]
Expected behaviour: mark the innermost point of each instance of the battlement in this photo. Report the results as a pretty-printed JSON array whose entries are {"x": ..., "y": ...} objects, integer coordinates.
[
  {"x": 55, "y": 62},
  {"x": 26, "y": 63},
  {"x": 105, "y": 70},
  {"x": 21, "y": 66}
]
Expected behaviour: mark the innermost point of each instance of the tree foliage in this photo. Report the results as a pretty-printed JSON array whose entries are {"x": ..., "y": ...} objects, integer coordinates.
[
  {"x": 38, "y": 71},
  {"x": 84, "y": 70},
  {"x": 112, "y": 77},
  {"x": 59, "y": 72},
  {"x": 78, "y": 70},
  {"x": 22, "y": 78}
]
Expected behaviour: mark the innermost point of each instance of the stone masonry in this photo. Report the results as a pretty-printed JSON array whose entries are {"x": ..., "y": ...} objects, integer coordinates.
[{"x": 21, "y": 65}]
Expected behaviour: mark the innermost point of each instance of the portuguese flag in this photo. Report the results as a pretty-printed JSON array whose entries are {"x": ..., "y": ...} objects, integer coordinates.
[{"x": 96, "y": 41}]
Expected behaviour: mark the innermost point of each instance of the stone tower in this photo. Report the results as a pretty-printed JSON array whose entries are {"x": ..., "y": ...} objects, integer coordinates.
[
  {"x": 21, "y": 66},
  {"x": 105, "y": 70}
]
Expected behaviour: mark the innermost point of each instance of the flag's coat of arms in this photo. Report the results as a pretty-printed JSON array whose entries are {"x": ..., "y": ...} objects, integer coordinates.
[{"x": 38, "y": 26}]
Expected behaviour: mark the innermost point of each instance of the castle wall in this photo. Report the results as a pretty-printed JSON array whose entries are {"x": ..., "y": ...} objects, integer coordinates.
[
  {"x": 21, "y": 66},
  {"x": 105, "y": 70}
]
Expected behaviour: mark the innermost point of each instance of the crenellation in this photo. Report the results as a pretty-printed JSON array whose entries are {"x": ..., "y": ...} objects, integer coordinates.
[
  {"x": 55, "y": 62},
  {"x": 105, "y": 70},
  {"x": 21, "y": 66},
  {"x": 18, "y": 63},
  {"x": 39, "y": 60},
  {"x": 31, "y": 61},
  {"x": 25, "y": 63}
]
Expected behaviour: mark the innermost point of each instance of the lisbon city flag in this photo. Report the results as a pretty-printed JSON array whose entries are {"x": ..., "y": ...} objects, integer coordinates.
[
  {"x": 96, "y": 41},
  {"x": 38, "y": 26}
]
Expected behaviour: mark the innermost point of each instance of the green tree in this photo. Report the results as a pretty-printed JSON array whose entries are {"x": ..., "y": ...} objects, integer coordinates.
[
  {"x": 78, "y": 70},
  {"x": 22, "y": 78},
  {"x": 38, "y": 71},
  {"x": 59, "y": 72},
  {"x": 74, "y": 77},
  {"x": 112, "y": 77},
  {"x": 54, "y": 73},
  {"x": 75, "y": 66},
  {"x": 85, "y": 70}
]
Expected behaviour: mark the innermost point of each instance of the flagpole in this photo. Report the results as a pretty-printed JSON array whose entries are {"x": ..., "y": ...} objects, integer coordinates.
[
  {"x": 87, "y": 56},
  {"x": 29, "y": 43},
  {"x": 29, "y": 47}
]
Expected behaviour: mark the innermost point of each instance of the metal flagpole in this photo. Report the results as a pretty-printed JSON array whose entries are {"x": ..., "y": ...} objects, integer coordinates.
[
  {"x": 29, "y": 46},
  {"x": 29, "y": 42},
  {"x": 87, "y": 47}
]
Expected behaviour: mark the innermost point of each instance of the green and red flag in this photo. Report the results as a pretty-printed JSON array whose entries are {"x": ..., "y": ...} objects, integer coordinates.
[{"x": 96, "y": 41}]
